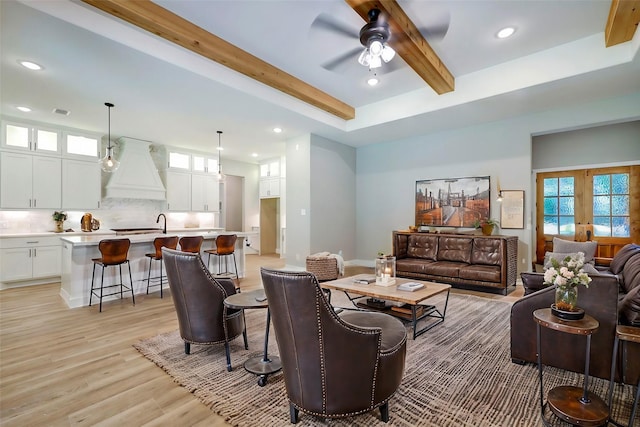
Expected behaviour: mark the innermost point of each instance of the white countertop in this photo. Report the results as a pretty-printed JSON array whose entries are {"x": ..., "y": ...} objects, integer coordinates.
[
  {"x": 89, "y": 239},
  {"x": 103, "y": 232}
]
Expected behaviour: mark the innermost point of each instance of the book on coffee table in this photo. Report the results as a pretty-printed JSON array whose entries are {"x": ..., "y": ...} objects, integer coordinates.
[
  {"x": 365, "y": 279},
  {"x": 410, "y": 286}
]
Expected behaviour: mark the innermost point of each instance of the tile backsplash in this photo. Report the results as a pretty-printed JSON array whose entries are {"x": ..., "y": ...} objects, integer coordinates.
[{"x": 114, "y": 213}]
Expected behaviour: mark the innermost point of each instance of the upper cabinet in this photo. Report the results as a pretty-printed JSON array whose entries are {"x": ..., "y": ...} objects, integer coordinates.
[
  {"x": 270, "y": 169},
  {"x": 204, "y": 164},
  {"x": 82, "y": 145},
  {"x": 28, "y": 181},
  {"x": 80, "y": 184},
  {"x": 178, "y": 161},
  {"x": 28, "y": 137}
]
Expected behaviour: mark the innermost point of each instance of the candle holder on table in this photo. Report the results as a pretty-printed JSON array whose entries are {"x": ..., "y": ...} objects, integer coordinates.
[{"x": 385, "y": 271}]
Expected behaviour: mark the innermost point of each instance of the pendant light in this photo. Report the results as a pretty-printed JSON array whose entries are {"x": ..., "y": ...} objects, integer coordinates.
[
  {"x": 220, "y": 175},
  {"x": 109, "y": 163}
]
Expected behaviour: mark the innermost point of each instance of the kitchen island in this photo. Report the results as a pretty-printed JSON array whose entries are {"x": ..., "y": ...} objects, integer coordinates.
[{"x": 78, "y": 251}]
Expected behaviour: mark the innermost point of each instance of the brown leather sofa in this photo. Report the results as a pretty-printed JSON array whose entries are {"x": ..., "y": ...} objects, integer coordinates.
[
  {"x": 334, "y": 366},
  {"x": 486, "y": 263},
  {"x": 613, "y": 297},
  {"x": 198, "y": 299}
]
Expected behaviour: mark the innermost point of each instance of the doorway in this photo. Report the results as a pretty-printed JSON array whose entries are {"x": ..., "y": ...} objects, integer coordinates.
[
  {"x": 269, "y": 216},
  {"x": 232, "y": 212}
]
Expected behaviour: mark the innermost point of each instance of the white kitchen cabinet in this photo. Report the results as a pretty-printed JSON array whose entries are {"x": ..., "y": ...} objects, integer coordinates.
[
  {"x": 269, "y": 188},
  {"x": 270, "y": 169},
  {"x": 28, "y": 181},
  {"x": 27, "y": 137},
  {"x": 204, "y": 164},
  {"x": 81, "y": 145},
  {"x": 29, "y": 258},
  {"x": 178, "y": 191},
  {"x": 205, "y": 193},
  {"x": 80, "y": 184}
]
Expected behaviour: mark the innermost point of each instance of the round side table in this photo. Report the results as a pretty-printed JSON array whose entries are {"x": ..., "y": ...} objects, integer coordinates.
[
  {"x": 575, "y": 405},
  {"x": 264, "y": 365}
]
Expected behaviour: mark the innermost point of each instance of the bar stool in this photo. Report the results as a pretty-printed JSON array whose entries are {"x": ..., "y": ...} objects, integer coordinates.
[
  {"x": 191, "y": 244},
  {"x": 626, "y": 334},
  {"x": 113, "y": 252},
  {"x": 158, "y": 243},
  {"x": 225, "y": 247}
]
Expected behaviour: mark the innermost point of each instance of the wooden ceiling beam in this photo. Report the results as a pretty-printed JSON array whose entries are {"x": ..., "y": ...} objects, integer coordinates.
[
  {"x": 164, "y": 23},
  {"x": 622, "y": 22},
  {"x": 409, "y": 43}
]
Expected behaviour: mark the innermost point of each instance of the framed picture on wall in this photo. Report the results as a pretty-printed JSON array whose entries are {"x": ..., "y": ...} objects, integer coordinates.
[
  {"x": 452, "y": 202},
  {"x": 512, "y": 209}
]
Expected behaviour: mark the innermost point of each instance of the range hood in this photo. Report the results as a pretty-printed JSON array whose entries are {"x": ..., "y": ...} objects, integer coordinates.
[{"x": 137, "y": 177}]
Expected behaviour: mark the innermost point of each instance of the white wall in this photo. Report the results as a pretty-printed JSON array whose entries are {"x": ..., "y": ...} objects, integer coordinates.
[
  {"x": 298, "y": 204},
  {"x": 386, "y": 173},
  {"x": 333, "y": 194},
  {"x": 251, "y": 174}
]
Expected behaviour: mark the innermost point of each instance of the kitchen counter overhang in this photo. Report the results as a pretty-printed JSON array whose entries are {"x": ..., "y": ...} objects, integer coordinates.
[{"x": 78, "y": 252}]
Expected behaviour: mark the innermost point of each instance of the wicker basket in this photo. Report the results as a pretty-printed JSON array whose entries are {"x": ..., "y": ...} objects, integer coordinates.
[{"x": 324, "y": 267}]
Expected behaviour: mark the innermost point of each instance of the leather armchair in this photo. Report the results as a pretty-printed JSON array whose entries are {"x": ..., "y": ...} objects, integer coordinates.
[
  {"x": 198, "y": 298},
  {"x": 334, "y": 366}
]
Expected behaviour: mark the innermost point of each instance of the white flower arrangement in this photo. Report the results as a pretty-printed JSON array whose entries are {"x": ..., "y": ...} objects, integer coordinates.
[{"x": 568, "y": 272}]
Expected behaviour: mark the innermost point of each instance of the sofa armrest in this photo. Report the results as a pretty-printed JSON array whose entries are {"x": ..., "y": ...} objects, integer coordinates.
[{"x": 532, "y": 282}]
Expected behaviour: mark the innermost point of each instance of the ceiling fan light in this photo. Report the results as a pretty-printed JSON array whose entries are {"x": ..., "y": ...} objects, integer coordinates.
[
  {"x": 375, "y": 47},
  {"x": 363, "y": 59},
  {"x": 375, "y": 62},
  {"x": 387, "y": 53}
]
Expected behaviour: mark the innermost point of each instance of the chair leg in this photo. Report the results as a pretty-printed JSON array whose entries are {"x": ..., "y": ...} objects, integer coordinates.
[
  {"x": 133, "y": 297},
  {"x": 634, "y": 408},
  {"x": 121, "y": 283},
  {"x": 149, "y": 275},
  {"x": 384, "y": 412},
  {"x": 235, "y": 265},
  {"x": 228, "y": 352},
  {"x": 244, "y": 335},
  {"x": 293, "y": 413},
  {"x": 160, "y": 277},
  {"x": 101, "y": 287},
  {"x": 93, "y": 278},
  {"x": 187, "y": 348}
]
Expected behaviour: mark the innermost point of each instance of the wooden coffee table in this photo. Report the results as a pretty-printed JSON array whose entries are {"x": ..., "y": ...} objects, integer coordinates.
[{"x": 416, "y": 311}]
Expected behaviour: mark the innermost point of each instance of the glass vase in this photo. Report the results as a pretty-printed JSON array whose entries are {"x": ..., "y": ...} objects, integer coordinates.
[
  {"x": 567, "y": 298},
  {"x": 385, "y": 270}
]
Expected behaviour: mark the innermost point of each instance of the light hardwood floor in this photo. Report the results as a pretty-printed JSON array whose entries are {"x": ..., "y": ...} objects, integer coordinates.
[{"x": 61, "y": 366}]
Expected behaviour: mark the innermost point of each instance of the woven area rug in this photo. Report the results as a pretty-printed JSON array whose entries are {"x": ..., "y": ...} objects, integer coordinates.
[{"x": 457, "y": 374}]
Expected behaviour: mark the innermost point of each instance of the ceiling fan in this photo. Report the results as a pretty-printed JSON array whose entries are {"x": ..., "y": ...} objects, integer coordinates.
[{"x": 375, "y": 36}]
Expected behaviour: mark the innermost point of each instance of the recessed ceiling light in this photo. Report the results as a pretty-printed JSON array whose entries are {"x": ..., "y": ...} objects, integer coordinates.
[
  {"x": 277, "y": 130},
  {"x": 254, "y": 154},
  {"x": 220, "y": 148},
  {"x": 24, "y": 109},
  {"x": 505, "y": 32},
  {"x": 373, "y": 81},
  {"x": 30, "y": 65}
]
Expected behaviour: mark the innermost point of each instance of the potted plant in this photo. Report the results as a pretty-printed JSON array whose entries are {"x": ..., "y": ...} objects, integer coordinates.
[
  {"x": 487, "y": 225},
  {"x": 59, "y": 217}
]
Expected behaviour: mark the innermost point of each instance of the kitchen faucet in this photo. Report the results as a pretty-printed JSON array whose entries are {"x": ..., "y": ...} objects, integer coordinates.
[{"x": 164, "y": 229}]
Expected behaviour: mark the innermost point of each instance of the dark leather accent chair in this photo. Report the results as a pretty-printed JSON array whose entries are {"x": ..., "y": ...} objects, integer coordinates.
[
  {"x": 334, "y": 366},
  {"x": 198, "y": 298}
]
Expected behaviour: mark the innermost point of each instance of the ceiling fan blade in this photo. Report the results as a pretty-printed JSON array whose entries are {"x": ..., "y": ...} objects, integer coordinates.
[
  {"x": 327, "y": 22},
  {"x": 343, "y": 59},
  {"x": 435, "y": 33}
]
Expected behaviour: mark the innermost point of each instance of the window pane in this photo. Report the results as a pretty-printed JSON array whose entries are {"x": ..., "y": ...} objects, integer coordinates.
[
  {"x": 179, "y": 160},
  {"x": 81, "y": 145},
  {"x": 601, "y": 205},
  {"x": 621, "y": 227},
  {"x": 550, "y": 185},
  {"x": 212, "y": 166},
  {"x": 601, "y": 184},
  {"x": 620, "y": 205},
  {"x": 198, "y": 163},
  {"x": 550, "y": 206},
  {"x": 17, "y": 136},
  {"x": 47, "y": 140},
  {"x": 601, "y": 226},
  {"x": 566, "y": 186},
  {"x": 550, "y": 225},
  {"x": 620, "y": 183},
  {"x": 566, "y": 205},
  {"x": 567, "y": 225}
]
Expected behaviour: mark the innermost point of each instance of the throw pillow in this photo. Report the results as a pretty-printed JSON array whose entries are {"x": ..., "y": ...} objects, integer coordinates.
[
  {"x": 629, "y": 309},
  {"x": 567, "y": 246},
  {"x": 623, "y": 255},
  {"x": 558, "y": 256}
]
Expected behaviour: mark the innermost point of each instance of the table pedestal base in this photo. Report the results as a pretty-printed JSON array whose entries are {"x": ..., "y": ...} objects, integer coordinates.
[
  {"x": 263, "y": 367},
  {"x": 566, "y": 402}
]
